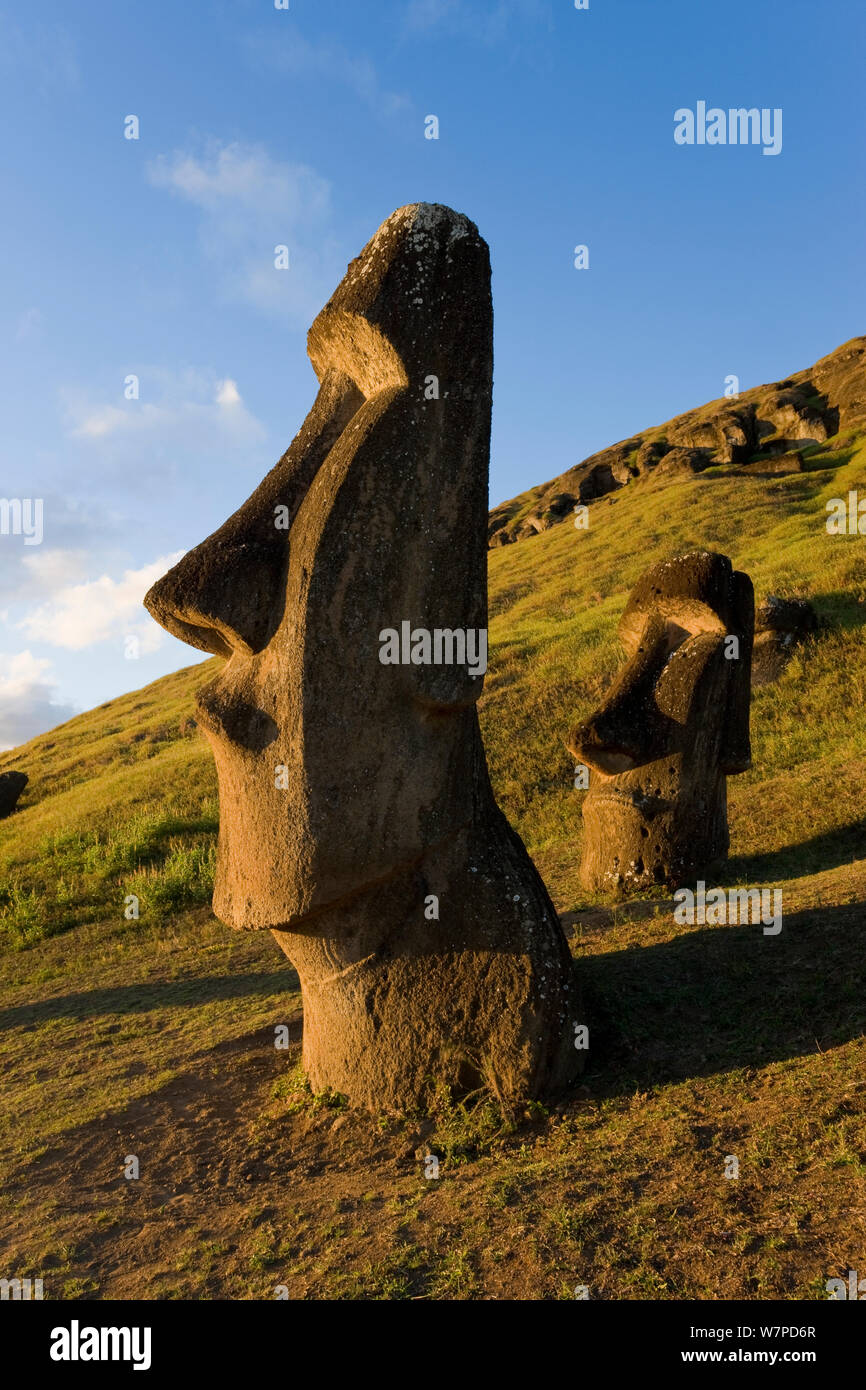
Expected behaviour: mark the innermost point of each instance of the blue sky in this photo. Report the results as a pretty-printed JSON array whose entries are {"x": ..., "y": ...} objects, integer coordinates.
[{"x": 305, "y": 127}]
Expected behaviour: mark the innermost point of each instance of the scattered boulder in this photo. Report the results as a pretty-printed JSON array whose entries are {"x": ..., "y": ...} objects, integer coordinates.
[
  {"x": 780, "y": 624},
  {"x": 789, "y": 462},
  {"x": 682, "y": 462},
  {"x": 12, "y": 785}
]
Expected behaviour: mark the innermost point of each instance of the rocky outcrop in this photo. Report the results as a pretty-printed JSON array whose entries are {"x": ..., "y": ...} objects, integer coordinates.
[{"x": 764, "y": 430}]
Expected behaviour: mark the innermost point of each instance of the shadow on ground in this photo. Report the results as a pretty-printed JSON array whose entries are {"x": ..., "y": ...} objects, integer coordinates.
[
  {"x": 142, "y": 998},
  {"x": 724, "y": 998},
  {"x": 830, "y": 850}
]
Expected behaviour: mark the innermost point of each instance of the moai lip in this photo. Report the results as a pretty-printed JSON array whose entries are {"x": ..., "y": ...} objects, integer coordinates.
[
  {"x": 357, "y": 818},
  {"x": 673, "y": 727}
]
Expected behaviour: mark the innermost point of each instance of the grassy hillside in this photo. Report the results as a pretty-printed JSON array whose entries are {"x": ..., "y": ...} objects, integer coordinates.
[
  {"x": 759, "y": 430},
  {"x": 155, "y": 1036}
]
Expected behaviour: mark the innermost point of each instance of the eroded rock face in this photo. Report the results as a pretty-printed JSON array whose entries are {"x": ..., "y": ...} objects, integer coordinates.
[
  {"x": 357, "y": 818},
  {"x": 781, "y": 419},
  {"x": 12, "y": 785},
  {"x": 674, "y": 726}
]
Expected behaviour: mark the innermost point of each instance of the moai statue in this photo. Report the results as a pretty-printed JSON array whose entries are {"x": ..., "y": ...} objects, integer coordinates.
[
  {"x": 349, "y": 595},
  {"x": 674, "y": 726},
  {"x": 12, "y": 785}
]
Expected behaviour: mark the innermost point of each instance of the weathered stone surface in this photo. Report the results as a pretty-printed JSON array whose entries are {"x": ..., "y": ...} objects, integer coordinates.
[
  {"x": 682, "y": 461},
  {"x": 789, "y": 462},
  {"x": 12, "y": 785},
  {"x": 386, "y": 813},
  {"x": 780, "y": 624},
  {"x": 673, "y": 727}
]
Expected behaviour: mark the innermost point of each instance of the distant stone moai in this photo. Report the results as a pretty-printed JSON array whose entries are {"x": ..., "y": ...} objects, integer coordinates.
[
  {"x": 674, "y": 726},
  {"x": 12, "y": 785},
  {"x": 350, "y": 594}
]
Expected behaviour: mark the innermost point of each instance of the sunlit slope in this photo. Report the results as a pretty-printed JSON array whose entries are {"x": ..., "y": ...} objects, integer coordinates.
[
  {"x": 555, "y": 603},
  {"x": 123, "y": 799}
]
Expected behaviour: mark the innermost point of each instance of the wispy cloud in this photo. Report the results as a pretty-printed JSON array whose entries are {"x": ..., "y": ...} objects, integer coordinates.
[
  {"x": 291, "y": 53},
  {"x": 45, "y": 571},
  {"x": 251, "y": 203},
  {"x": 488, "y": 24},
  {"x": 28, "y": 698},
  {"x": 194, "y": 409},
  {"x": 426, "y": 14},
  {"x": 72, "y": 528},
  {"x": 79, "y": 616}
]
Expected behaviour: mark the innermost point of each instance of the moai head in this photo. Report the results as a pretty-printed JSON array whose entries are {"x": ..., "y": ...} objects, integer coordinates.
[
  {"x": 369, "y": 521},
  {"x": 673, "y": 727},
  {"x": 349, "y": 595}
]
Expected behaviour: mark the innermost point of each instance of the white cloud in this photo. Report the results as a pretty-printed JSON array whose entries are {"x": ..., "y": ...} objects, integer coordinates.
[
  {"x": 250, "y": 204},
  {"x": 72, "y": 527},
  {"x": 195, "y": 410},
  {"x": 228, "y": 393},
  {"x": 82, "y": 615},
  {"x": 47, "y": 570},
  {"x": 28, "y": 699}
]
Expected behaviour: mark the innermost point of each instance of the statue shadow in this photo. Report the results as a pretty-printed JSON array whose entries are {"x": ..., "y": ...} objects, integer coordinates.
[
  {"x": 826, "y": 851},
  {"x": 142, "y": 998},
  {"x": 723, "y": 998},
  {"x": 839, "y": 610}
]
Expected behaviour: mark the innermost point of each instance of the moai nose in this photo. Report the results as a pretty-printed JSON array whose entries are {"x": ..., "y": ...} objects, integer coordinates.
[
  {"x": 628, "y": 728},
  {"x": 228, "y": 594}
]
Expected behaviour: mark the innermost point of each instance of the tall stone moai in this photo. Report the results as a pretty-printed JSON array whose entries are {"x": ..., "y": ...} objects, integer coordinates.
[
  {"x": 673, "y": 728},
  {"x": 349, "y": 594}
]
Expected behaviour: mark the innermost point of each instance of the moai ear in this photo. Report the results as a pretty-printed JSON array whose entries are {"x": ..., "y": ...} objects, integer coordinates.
[{"x": 736, "y": 746}]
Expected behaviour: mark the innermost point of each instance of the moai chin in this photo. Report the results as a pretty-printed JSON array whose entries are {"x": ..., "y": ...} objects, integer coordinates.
[
  {"x": 426, "y": 944},
  {"x": 673, "y": 727}
]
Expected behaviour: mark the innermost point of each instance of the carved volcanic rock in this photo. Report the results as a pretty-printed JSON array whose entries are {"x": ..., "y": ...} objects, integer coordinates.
[
  {"x": 673, "y": 727},
  {"x": 764, "y": 430},
  {"x": 357, "y": 818},
  {"x": 12, "y": 785}
]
